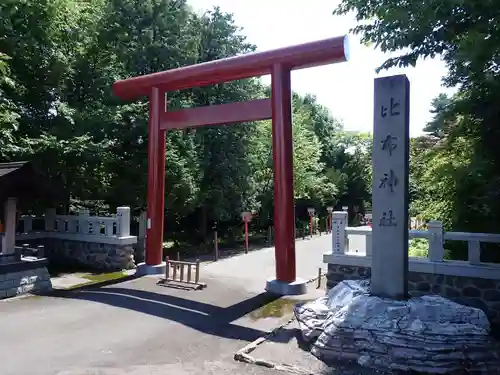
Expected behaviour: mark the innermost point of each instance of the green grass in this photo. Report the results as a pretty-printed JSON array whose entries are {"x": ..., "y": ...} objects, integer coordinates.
[
  {"x": 101, "y": 277},
  {"x": 96, "y": 278},
  {"x": 275, "y": 309}
]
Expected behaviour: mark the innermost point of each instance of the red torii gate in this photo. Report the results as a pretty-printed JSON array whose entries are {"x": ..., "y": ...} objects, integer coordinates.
[{"x": 279, "y": 63}]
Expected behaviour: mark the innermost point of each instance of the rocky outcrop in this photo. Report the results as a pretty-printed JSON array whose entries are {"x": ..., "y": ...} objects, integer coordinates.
[
  {"x": 469, "y": 291},
  {"x": 428, "y": 334}
]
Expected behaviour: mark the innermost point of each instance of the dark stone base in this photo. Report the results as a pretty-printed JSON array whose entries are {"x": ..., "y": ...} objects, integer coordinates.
[{"x": 25, "y": 276}]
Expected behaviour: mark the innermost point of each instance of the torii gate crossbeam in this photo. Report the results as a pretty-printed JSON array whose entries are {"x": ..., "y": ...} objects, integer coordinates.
[{"x": 279, "y": 63}]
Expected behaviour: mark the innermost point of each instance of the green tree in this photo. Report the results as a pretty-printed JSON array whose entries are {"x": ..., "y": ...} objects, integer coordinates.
[{"x": 462, "y": 188}]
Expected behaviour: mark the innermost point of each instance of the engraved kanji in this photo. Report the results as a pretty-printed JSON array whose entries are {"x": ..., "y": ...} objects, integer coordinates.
[
  {"x": 389, "y": 144},
  {"x": 387, "y": 220},
  {"x": 389, "y": 181},
  {"x": 392, "y": 110}
]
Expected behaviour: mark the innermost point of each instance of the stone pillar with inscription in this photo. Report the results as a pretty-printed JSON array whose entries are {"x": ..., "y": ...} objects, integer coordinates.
[
  {"x": 389, "y": 276},
  {"x": 339, "y": 223}
]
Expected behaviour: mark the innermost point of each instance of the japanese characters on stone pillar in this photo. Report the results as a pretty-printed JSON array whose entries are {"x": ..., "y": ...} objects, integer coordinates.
[
  {"x": 339, "y": 223},
  {"x": 390, "y": 187}
]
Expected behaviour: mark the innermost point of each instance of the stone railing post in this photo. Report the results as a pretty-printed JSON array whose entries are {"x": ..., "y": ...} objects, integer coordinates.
[
  {"x": 50, "y": 220},
  {"x": 368, "y": 244},
  {"x": 474, "y": 252},
  {"x": 436, "y": 241},
  {"x": 83, "y": 221},
  {"x": 72, "y": 225},
  {"x": 141, "y": 237},
  {"x": 339, "y": 223},
  {"x": 123, "y": 216}
]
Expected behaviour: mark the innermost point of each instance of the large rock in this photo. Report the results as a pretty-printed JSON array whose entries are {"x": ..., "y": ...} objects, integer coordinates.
[{"x": 428, "y": 334}]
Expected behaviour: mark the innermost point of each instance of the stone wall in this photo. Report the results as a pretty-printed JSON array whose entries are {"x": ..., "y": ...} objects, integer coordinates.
[
  {"x": 99, "y": 256},
  {"x": 476, "y": 292},
  {"x": 24, "y": 277},
  {"x": 8, "y": 258}
]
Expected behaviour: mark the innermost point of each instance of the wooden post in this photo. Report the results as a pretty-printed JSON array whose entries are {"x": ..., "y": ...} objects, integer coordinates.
[
  {"x": 197, "y": 272},
  {"x": 216, "y": 246},
  {"x": 141, "y": 236},
  {"x": 319, "y": 277},
  {"x": 246, "y": 235}
]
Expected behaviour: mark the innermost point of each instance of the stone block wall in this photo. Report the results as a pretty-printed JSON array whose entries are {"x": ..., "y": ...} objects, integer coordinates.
[
  {"x": 98, "y": 256},
  {"x": 476, "y": 292},
  {"x": 16, "y": 282},
  {"x": 8, "y": 258}
]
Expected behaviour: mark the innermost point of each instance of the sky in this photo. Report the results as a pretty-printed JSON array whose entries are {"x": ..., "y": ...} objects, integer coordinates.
[{"x": 346, "y": 88}]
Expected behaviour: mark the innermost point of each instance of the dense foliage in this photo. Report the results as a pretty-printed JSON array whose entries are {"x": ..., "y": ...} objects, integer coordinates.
[
  {"x": 455, "y": 167},
  {"x": 58, "y": 60}
]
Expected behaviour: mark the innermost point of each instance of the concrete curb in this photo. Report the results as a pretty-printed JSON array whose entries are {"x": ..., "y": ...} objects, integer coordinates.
[
  {"x": 58, "y": 292},
  {"x": 243, "y": 355}
]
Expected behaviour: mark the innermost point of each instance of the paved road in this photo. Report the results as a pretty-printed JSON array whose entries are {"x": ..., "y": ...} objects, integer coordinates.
[
  {"x": 134, "y": 328},
  {"x": 254, "y": 268},
  {"x": 138, "y": 327}
]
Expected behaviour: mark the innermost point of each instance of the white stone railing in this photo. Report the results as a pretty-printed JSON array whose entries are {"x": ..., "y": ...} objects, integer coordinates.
[
  {"x": 80, "y": 227},
  {"x": 353, "y": 246}
]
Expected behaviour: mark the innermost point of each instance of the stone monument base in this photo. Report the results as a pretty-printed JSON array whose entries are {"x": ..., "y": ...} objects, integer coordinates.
[
  {"x": 298, "y": 287},
  {"x": 427, "y": 334},
  {"x": 144, "y": 269}
]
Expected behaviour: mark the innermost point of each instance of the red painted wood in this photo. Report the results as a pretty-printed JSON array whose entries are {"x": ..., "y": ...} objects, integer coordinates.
[
  {"x": 300, "y": 56},
  {"x": 284, "y": 207},
  {"x": 156, "y": 179},
  {"x": 253, "y": 110},
  {"x": 279, "y": 63}
]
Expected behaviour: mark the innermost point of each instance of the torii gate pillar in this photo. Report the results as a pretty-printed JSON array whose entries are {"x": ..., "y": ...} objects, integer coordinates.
[{"x": 279, "y": 63}]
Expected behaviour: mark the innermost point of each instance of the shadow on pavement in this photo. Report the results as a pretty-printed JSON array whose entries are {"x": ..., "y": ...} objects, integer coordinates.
[{"x": 204, "y": 317}]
